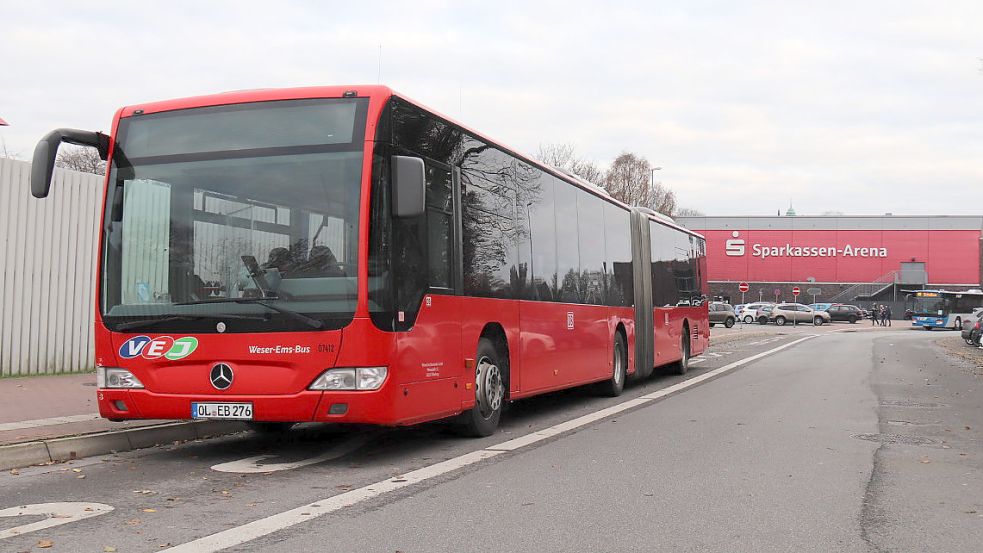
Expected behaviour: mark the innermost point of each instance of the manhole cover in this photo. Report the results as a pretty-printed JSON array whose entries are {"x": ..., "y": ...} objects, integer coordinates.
[
  {"x": 909, "y": 403},
  {"x": 895, "y": 439}
]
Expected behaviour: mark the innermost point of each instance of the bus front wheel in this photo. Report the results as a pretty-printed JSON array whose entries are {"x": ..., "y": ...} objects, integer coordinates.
[{"x": 489, "y": 392}]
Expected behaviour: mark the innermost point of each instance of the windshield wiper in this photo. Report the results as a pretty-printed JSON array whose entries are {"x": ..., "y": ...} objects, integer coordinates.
[
  {"x": 131, "y": 325},
  {"x": 313, "y": 323}
]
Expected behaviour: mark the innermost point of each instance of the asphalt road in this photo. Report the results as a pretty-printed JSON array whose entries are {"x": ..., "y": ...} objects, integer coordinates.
[{"x": 845, "y": 440}]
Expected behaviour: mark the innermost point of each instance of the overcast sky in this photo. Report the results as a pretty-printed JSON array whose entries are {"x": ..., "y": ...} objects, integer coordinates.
[{"x": 860, "y": 107}]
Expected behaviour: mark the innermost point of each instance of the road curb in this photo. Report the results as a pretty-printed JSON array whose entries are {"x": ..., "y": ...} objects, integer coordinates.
[{"x": 100, "y": 443}]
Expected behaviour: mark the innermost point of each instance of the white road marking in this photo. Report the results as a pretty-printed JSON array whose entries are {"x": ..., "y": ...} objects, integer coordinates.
[
  {"x": 265, "y": 526},
  {"x": 274, "y": 523},
  {"x": 697, "y": 361},
  {"x": 254, "y": 465},
  {"x": 57, "y": 513},
  {"x": 35, "y": 423}
]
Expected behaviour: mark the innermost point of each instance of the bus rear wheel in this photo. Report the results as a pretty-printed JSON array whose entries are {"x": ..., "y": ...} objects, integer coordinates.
[
  {"x": 682, "y": 365},
  {"x": 613, "y": 386},
  {"x": 489, "y": 392}
]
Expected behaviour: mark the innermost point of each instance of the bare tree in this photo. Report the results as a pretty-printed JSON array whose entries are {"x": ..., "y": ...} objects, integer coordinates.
[
  {"x": 80, "y": 159},
  {"x": 688, "y": 212},
  {"x": 6, "y": 153},
  {"x": 564, "y": 156},
  {"x": 630, "y": 179}
]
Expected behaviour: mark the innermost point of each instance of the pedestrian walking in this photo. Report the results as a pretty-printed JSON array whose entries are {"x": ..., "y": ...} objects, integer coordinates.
[
  {"x": 873, "y": 315},
  {"x": 886, "y": 315}
]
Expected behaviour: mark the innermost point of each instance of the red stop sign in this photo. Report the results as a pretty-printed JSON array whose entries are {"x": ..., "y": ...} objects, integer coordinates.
[
  {"x": 795, "y": 291},
  {"x": 743, "y": 287}
]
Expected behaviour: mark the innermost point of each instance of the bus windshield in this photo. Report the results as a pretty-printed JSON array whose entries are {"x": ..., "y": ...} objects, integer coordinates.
[
  {"x": 254, "y": 200},
  {"x": 929, "y": 306}
]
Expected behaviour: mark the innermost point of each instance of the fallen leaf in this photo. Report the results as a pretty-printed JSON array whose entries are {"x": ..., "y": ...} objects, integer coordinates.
[
  {"x": 44, "y": 544},
  {"x": 15, "y": 472},
  {"x": 926, "y": 461},
  {"x": 81, "y": 476},
  {"x": 109, "y": 549},
  {"x": 76, "y": 470},
  {"x": 149, "y": 510},
  {"x": 133, "y": 522}
]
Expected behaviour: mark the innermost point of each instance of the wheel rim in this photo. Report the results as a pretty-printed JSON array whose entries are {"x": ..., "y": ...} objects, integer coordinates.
[{"x": 490, "y": 389}]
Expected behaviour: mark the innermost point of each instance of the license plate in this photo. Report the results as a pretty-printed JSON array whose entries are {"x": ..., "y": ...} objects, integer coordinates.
[{"x": 232, "y": 411}]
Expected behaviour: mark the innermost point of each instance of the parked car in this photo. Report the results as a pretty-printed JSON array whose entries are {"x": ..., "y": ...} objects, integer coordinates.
[
  {"x": 763, "y": 314},
  {"x": 848, "y": 313},
  {"x": 972, "y": 328},
  {"x": 821, "y": 306},
  {"x": 722, "y": 313},
  {"x": 749, "y": 313},
  {"x": 796, "y": 312}
]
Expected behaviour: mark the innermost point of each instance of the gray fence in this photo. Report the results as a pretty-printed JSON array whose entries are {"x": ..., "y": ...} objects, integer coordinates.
[{"x": 48, "y": 256}]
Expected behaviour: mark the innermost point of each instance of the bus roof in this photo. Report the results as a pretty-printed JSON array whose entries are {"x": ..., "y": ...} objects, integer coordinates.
[{"x": 300, "y": 93}]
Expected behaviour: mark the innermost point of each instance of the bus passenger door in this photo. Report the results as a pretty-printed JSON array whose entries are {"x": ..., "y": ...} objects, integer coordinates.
[{"x": 430, "y": 352}]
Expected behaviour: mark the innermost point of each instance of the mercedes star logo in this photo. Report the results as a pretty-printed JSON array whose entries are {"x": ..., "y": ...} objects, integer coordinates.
[{"x": 221, "y": 376}]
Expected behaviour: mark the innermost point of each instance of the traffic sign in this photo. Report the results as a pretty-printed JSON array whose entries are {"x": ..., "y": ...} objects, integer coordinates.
[
  {"x": 743, "y": 287},
  {"x": 795, "y": 291},
  {"x": 814, "y": 291}
]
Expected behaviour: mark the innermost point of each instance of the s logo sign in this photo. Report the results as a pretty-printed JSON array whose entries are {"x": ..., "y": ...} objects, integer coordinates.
[{"x": 735, "y": 246}]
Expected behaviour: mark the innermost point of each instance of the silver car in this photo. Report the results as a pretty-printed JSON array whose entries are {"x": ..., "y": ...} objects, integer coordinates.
[
  {"x": 796, "y": 312},
  {"x": 721, "y": 313}
]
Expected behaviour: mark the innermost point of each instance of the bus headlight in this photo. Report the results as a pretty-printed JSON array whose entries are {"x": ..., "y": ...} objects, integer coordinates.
[
  {"x": 362, "y": 378},
  {"x": 111, "y": 377}
]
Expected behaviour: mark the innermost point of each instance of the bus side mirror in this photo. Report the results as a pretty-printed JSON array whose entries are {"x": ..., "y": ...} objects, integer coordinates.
[
  {"x": 45, "y": 152},
  {"x": 409, "y": 186}
]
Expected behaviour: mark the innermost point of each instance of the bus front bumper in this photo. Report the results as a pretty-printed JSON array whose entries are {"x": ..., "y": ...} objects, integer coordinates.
[{"x": 307, "y": 406}]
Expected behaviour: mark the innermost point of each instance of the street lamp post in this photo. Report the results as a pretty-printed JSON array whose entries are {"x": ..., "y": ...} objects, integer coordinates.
[{"x": 652, "y": 177}]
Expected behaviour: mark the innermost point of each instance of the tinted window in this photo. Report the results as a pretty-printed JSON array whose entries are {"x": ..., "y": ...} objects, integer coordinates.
[
  {"x": 590, "y": 217},
  {"x": 617, "y": 238},
  {"x": 536, "y": 207},
  {"x": 567, "y": 252},
  {"x": 489, "y": 248},
  {"x": 664, "y": 291},
  {"x": 440, "y": 217},
  {"x": 424, "y": 134}
]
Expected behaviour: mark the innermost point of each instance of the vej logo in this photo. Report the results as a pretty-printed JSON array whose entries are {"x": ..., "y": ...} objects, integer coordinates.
[
  {"x": 162, "y": 346},
  {"x": 735, "y": 246}
]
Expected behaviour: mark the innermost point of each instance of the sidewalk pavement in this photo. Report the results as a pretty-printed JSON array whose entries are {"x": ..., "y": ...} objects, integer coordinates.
[{"x": 55, "y": 418}]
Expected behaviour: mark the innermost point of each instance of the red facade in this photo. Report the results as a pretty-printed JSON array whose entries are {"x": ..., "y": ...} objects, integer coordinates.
[{"x": 841, "y": 256}]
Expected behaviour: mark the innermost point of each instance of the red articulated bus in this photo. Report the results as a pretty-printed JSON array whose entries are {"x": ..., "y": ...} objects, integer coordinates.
[{"x": 343, "y": 254}]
